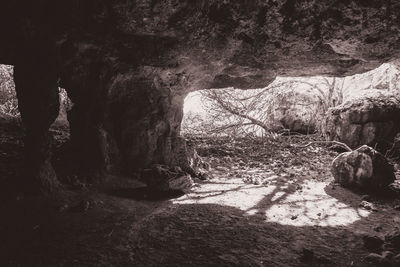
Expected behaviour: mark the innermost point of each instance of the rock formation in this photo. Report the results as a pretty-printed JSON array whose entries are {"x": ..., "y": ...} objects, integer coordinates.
[
  {"x": 127, "y": 65},
  {"x": 372, "y": 120},
  {"x": 295, "y": 110},
  {"x": 365, "y": 169}
]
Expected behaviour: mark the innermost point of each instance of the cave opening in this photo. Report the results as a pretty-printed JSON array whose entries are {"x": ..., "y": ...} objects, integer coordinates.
[
  {"x": 291, "y": 105},
  {"x": 312, "y": 179},
  {"x": 11, "y": 118},
  {"x": 268, "y": 149}
]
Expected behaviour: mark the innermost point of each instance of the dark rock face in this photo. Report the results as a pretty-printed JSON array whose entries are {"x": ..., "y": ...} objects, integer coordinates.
[
  {"x": 38, "y": 102},
  {"x": 127, "y": 65},
  {"x": 373, "y": 121},
  {"x": 364, "y": 168},
  {"x": 146, "y": 115}
]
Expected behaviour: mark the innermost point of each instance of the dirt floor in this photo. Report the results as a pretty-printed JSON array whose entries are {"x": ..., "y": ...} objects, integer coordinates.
[{"x": 269, "y": 203}]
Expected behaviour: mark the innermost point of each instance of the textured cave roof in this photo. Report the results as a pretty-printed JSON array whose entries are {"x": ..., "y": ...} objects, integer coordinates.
[{"x": 212, "y": 44}]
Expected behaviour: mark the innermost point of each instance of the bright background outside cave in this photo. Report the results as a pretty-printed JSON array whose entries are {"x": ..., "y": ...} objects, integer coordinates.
[{"x": 297, "y": 104}]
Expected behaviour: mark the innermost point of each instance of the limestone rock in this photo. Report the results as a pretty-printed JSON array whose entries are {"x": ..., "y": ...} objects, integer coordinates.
[
  {"x": 364, "y": 168},
  {"x": 294, "y": 110},
  {"x": 370, "y": 121}
]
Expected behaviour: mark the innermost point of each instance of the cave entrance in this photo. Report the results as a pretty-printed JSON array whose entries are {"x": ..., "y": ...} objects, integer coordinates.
[
  {"x": 12, "y": 131},
  {"x": 269, "y": 176},
  {"x": 288, "y": 105},
  {"x": 9, "y": 101},
  {"x": 8, "y": 98},
  {"x": 257, "y": 167}
]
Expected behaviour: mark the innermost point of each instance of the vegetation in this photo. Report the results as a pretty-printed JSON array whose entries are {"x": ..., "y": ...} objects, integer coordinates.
[
  {"x": 8, "y": 99},
  {"x": 276, "y": 108}
]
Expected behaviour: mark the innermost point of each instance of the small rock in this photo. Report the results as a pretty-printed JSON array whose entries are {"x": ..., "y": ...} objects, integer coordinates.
[
  {"x": 378, "y": 228},
  {"x": 164, "y": 178},
  {"x": 294, "y": 217},
  {"x": 368, "y": 206},
  {"x": 204, "y": 176},
  {"x": 63, "y": 208},
  {"x": 183, "y": 182},
  {"x": 206, "y": 166}
]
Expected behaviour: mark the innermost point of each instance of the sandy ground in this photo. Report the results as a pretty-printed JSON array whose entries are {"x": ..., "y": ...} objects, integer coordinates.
[{"x": 269, "y": 203}]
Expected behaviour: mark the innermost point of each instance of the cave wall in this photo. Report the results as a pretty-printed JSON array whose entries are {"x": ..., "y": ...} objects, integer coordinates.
[{"x": 127, "y": 65}]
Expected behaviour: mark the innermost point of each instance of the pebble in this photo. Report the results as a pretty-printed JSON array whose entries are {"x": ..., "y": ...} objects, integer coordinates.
[
  {"x": 63, "y": 208},
  {"x": 368, "y": 206}
]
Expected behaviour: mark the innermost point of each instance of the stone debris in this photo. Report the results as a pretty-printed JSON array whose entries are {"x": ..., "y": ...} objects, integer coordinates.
[{"x": 364, "y": 168}]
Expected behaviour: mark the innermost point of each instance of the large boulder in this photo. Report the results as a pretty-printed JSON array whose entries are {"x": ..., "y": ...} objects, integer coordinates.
[
  {"x": 364, "y": 168},
  {"x": 372, "y": 120},
  {"x": 297, "y": 110}
]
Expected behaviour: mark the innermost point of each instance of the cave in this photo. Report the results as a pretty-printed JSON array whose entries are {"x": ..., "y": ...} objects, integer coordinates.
[{"x": 127, "y": 67}]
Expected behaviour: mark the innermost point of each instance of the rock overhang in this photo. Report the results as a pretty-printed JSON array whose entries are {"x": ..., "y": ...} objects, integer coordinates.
[
  {"x": 214, "y": 44},
  {"x": 128, "y": 65}
]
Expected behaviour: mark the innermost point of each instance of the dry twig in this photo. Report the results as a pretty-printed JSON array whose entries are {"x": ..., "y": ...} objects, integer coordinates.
[{"x": 343, "y": 145}]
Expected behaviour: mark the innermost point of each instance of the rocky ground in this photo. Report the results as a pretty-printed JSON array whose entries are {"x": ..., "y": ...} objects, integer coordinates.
[{"x": 269, "y": 202}]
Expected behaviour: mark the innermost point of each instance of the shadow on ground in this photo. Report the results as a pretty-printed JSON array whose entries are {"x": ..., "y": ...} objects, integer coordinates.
[
  {"x": 145, "y": 193},
  {"x": 224, "y": 222}
]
